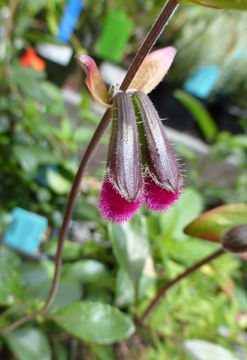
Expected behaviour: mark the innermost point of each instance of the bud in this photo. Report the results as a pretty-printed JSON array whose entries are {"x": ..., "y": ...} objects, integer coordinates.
[
  {"x": 124, "y": 158},
  {"x": 235, "y": 239},
  {"x": 158, "y": 153}
]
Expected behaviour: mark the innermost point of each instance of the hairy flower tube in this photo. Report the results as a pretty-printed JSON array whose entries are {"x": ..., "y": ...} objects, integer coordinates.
[{"x": 141, "y": 165}]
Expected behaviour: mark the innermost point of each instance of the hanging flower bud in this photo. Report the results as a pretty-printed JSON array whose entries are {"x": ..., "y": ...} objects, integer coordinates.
[
  {"x": 121, "y": 193},
  {"x": 123, "y": 190},
  {"x": 124, "y": 158},
  {"x": 158, "y": 152},
  {"x": 235, "y": 239}
]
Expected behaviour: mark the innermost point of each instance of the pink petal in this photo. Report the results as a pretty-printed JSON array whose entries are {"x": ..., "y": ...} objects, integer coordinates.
[
  {"x": 114, "y": 207},
  {"x": 158, "y": 198},
  {"x": 153, "y": 69},
  {"x": 94, "y": 80}
]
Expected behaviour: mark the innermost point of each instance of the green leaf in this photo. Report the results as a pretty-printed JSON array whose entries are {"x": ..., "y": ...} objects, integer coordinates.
[
  {"x": 25, "y": 157},
  {"x": 125, "y": 292},
  {"x": 85, "y": 271},
  {"x": 58, "y": 183},
  {"x": 204, "y": 350},
  {"x": 71, "y": 251},
  {"x": 68, "y": 292},
  {"x": 200, "y": 114},
  {"x": 29, "y": 344},
  {"x": 218, "y": 4},
  {"x": 9, "y": 256},
  {"x": 239, "y": 141},
  {"x": 10, "y": 285},
  {"x": 103, "y": 352},
  {"x": 95, "y": 322},
  {"x": 214, "y": 223},
  {"x": 173, "y": 221},
  {"x": 192, "y": 250},
  {"x": 130, "y": 245},
  {"x": 32, "y": 273}
]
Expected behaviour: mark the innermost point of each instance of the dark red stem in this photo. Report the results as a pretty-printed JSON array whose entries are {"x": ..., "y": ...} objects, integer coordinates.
[{"x": 167, "y": 286}]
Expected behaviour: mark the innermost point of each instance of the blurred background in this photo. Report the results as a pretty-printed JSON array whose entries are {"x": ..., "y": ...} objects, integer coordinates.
[{"x": 47, "y": 117}]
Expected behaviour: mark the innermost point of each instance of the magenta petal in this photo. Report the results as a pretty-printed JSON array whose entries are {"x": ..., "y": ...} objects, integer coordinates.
[
  {"x": 114, "y": 207},
  {"x": 158, "y": 198}
]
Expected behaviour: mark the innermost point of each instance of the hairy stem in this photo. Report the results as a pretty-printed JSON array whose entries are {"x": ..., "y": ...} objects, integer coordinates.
[
  {"x": 157, "y": 28},
  {"x": 167, "y": 286},
  {"x": 147, "y": 45}
]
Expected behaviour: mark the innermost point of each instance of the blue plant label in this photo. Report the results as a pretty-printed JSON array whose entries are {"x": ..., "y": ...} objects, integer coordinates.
[
  {"x": 202, "y": 82},
  {"x": 69, "y": 19},
  {"x": 26, "y": 231}
]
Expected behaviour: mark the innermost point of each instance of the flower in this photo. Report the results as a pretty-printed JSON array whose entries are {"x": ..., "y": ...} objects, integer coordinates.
[
  {"x": 30, "y": 58},
  {"x": 141, "y": 165}
]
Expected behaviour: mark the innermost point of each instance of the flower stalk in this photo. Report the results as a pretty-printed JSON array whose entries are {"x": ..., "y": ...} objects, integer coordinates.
[{"x": 167, "y": 286}]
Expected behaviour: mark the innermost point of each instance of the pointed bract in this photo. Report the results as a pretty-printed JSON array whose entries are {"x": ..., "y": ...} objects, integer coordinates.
[
  {"x": 158, "y": 152},
  {"x": 124, "y": 158},
  {"x": 153, "y": 69},
  {"x": 94, "y": 80},
  {"x": 114, "y": 207}
]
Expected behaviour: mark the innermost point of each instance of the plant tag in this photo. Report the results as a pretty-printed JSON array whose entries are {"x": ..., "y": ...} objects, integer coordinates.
[
  {"x": 114, "y": 37},
  {"x": 69, "y": 19},
  {"x": 26, "y": 230},
  {"x": 111, "y": 73},
  {"x": 60, "y": 54},
  {"x": 202, "y": 82}
]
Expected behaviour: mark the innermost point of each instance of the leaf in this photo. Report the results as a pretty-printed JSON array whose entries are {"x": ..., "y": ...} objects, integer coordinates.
[
  {"x": 85, "y": 271},
  {"x": 219, "y": 4},
  {"x": 96, "y": 322},
  {"x": 239, "y": 141},
  {"x": 173, "y": 221},
  {"x": 103, "y": 352},
  {"x": 68, "y": 292},
  {"x": 29, "y": 344},
  {"x": 25, "y": 157},
  {"x": 153, "y": 69},
  {"x": 94, "y": 80},
  {"x": 191, "y": 251},
  {"x": 130, "y": 245},
  {"x": 32, "y": 273},
  {"x": 204, "y": 350},
  {"x": 125, "y": 292},
  {"x": 214, "y": 223},
  {"x": 10, "y": 285},
  {"x": 58, "y": 183},
  {"x": 9, "y": 256},
  {"x": 200, "y": 114},
  {"x": 71, "y": 251}
]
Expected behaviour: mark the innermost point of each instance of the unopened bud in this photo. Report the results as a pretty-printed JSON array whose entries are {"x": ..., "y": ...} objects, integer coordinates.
[
  {"x": 124, "y": 158},
  {"x": 235, "y": 239},
  {"x": 158, "y": 152}
]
